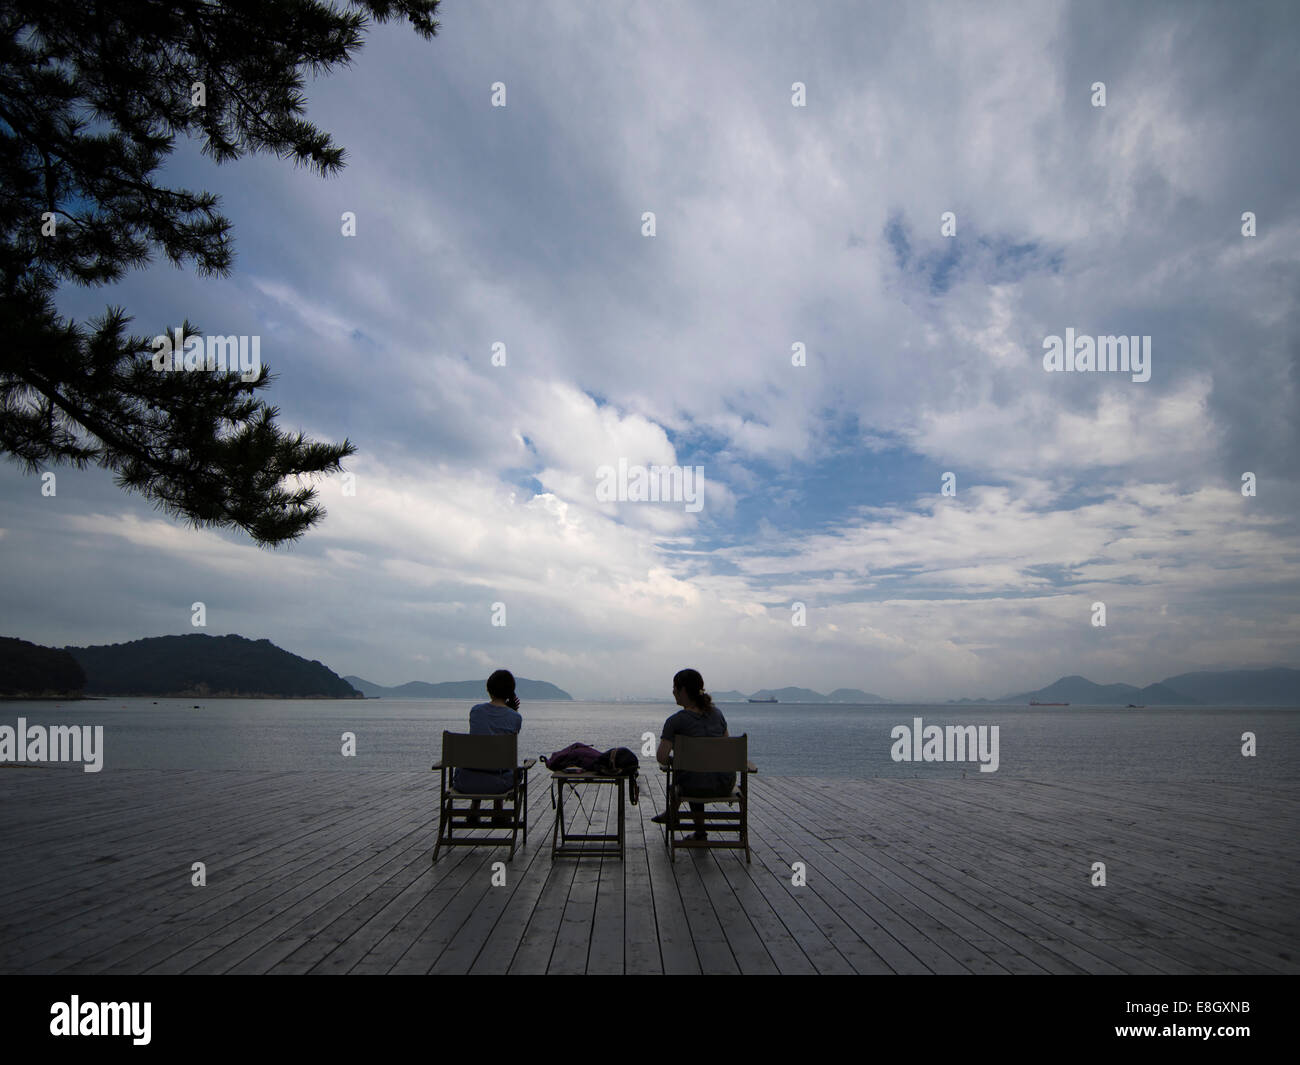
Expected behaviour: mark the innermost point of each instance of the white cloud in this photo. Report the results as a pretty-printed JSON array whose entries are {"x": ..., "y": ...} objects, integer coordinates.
[{"x": 521, "y": 225}]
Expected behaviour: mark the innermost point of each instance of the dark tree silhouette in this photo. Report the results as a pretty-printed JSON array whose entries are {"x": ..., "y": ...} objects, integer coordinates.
[{"x": 92, "y": 97}]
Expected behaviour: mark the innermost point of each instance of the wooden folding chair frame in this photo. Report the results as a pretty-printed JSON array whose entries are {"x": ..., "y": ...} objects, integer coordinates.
[
  {"x": 714, "y": 754},
  {"x": 462, "y": 751}
]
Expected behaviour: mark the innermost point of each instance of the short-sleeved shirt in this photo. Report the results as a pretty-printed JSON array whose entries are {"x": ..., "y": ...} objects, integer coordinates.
[
  {"x": 488, "y": 720},
  {"x": 688, "y": 723}
]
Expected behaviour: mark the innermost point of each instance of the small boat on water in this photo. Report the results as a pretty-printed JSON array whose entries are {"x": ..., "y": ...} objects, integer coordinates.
[
  {"x": 1136, "y": 706},
  {"x": 1035, "y": 702},
  {"x": 769, "y": 699}
]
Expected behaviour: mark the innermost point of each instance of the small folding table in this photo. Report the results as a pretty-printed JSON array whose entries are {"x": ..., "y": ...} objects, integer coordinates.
[{"x": 565, "y": 844}]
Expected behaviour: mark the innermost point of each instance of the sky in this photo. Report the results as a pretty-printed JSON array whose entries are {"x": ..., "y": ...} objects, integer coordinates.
[{"x": 842, "y": 309}]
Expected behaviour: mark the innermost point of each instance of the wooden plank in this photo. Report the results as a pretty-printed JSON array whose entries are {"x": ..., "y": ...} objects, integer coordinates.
[
  {"x": 266, "y": 905},
  {"x": 573, "y": 936},
  {"x": 711, "y": 947},
  {"x": 910, "y": 822},
  {"x": 1200, "y": 848},
  {"x": 498, "y": 950},
  {"x": 98, "y": 927},
  {"x": 999, "y": 941},
  {"x": 525, "y": 874},
  {"x": 328, "y": 873},
  {"x": 888, "y": 936},
  {"x": 533, "y": 952},
  {"x": 677, "y": 948},
  {"x": 641, "y": 952},
  {"x": 34, "y": 877},
  {"x": 469, "y": 896},
  {"x": 1131, "y": 912},
  {"x": 607, "y": 954},
  {"x": 966, "y": 932},
  {"x": 992, "y": 853},
  {"x": 464, "y": 926},
  {"x": 796, "y": 943},
  {"x": 775, "y": 856}
]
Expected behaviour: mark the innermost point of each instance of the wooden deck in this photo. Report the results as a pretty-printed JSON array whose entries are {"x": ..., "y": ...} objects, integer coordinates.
[{"x": 331, "y": 873}]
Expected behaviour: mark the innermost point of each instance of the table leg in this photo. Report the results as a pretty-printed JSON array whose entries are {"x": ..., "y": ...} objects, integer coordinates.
[
  {"x": 622, "y": 831},
  {"x": 559, "y": 819}
]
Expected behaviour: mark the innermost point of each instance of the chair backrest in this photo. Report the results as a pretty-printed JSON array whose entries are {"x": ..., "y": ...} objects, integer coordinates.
[
  {"x": 712, "y": 754},
  {"x": 463, "y": 751}
]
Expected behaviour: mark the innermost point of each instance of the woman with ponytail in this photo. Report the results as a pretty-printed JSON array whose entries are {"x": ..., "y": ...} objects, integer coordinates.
[
  {"x": 499, "y": 717},
  {"x": 697, "y": 717}
]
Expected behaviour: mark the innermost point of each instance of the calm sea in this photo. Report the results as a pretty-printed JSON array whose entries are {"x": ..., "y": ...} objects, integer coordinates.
[{"x": 1166, "y": 743}]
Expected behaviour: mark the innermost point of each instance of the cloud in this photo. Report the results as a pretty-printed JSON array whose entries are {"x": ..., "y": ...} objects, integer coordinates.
[{"x": 776, "y": 226}]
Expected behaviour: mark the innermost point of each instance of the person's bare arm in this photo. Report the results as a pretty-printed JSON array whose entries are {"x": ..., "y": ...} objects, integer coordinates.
[{"x": 665, "y": 749}]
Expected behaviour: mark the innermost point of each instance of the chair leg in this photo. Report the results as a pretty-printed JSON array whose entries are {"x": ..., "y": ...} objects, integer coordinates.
[
  {"x": 442, "y": 824},
  {"x": 558, "y": 801},
  {"x": 671, "y": 826},
  {"x": 622, "y": 822},
  {"x": 514, "y": 823},
  {"x": 523, "y": 805}
]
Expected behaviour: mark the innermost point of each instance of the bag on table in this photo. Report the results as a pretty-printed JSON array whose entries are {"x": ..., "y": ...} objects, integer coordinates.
[
  {"x": 619, "y": 761},
  {"x": 581, "y": 756}
]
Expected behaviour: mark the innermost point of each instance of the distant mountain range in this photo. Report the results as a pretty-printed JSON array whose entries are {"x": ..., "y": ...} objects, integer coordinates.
[
  {"x": 456, "y": 689},
  {"x": 800, "y": 695},
  {"x": 1230, "y": 687},
  {"x": 197, "y": 664}
]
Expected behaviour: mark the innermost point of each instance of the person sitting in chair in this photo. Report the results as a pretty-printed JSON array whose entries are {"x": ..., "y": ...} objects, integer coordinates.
[
  {"x": 697, "y": 717},
  {"x": 498, "y": 717}
]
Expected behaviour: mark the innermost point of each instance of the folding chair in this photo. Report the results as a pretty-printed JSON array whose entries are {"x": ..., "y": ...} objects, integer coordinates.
[
  {"x": 720, "y": 754},
  {"x": 461, "y": 751}
]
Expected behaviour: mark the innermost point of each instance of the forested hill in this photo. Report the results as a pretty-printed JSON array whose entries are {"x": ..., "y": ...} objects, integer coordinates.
[
  {"x": 198, "y": 664},
  {"x": 30, "y": 671}
]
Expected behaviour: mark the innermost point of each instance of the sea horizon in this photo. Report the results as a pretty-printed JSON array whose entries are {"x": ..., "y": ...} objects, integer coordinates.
[{"x": 785, "y": 739}]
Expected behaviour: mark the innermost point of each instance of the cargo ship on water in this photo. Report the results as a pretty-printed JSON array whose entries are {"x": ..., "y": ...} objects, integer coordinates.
[
  {"x": 769, "y": 699},
  {"x": 1035, "y": 702}
]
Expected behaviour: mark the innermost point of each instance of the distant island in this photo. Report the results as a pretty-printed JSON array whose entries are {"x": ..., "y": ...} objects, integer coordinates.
[
  {"x": 456, "y": 689},
  {"x": 798, "y": 695},
  {"x": 213, "y": 667},
  {"x": 1229, "y": 687},
  {"x": 195, "y": 664},
  {"x": 231, "y": 666}
]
